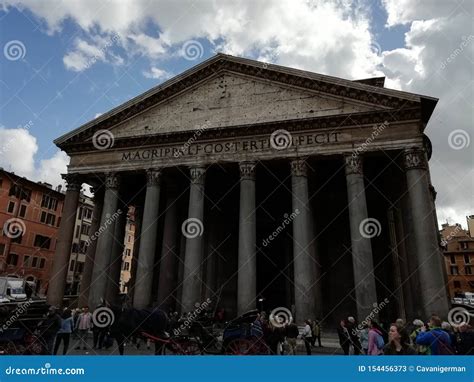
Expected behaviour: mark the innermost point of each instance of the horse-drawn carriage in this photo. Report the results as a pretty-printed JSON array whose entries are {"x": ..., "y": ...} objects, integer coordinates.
[
  {"x": 242, "y": 336},
  {"x": 18, "y": 325}
]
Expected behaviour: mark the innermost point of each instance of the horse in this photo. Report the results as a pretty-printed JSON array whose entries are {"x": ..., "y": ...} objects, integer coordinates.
[{"x": 130, "y": 322}]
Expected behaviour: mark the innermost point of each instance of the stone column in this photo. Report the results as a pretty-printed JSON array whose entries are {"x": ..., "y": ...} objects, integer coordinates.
[
  {"x": 362, "y": 261},
  {"x": 303, "y": 262},
  {"x": 434, "y": 298},
  {"x": 247, "y": 261},
  {"x": 192, "y": 229},
  {"x": 91, "y": 248},
  {"x": 146, "y": 254},
  {"x": 105, "y": 240},
  {"x": 169, "y": 253},
  {"x": 113, "y": 281},
  {"x": 57, "y": 279}
]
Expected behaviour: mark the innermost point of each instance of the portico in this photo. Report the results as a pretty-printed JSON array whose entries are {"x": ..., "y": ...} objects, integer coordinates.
[{"x": 231, "y": 153}]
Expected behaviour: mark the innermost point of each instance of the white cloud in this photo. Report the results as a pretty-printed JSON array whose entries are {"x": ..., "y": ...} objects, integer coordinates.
[
  {"x": 157, "y": 73},
  {"x": 18, "y": 152}
]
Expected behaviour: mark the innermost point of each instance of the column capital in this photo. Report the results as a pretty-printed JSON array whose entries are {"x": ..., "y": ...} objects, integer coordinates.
[
  {"x": 353, "y": 164},
  {"x": 153, "y": 177},
  {"x": 414, "y": 158},
  {"x": 299, "y": 167},
  {"x": 111, "y": 180},
  {"x": 247, "y": 170},
  {"x": 197, "y": 174},
  {"x": 73, "y": 182}
]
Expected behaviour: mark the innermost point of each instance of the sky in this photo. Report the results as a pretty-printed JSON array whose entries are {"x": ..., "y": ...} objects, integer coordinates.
[{"x": 63, "y": 63}]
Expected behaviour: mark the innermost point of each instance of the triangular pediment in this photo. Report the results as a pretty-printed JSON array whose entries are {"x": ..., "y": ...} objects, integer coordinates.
[
  {"x": 230, "y": 99},
  {"x": 229, "y": 91}
]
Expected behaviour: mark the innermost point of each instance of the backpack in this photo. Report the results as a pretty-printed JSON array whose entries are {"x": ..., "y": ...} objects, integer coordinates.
[
  {"x": 379, "y": 341},
  {"x": 443, "y": 347}
]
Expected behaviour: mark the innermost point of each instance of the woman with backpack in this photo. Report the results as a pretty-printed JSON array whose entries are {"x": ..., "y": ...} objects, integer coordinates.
[{"x": 376, "y": 342}]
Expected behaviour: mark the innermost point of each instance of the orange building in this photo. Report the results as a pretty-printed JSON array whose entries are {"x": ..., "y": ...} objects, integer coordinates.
[
  {"x": 459, "y": 258},
  {"x": 30, "y": 214}
]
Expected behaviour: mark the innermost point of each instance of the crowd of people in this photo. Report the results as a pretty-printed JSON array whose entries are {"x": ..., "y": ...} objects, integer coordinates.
[
  {"x": 58, "y": 328},
  {"x": 437, "y": 337}
]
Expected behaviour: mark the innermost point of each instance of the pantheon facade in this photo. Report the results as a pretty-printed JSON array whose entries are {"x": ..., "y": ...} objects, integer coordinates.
[{"x": 260, "y": 186}]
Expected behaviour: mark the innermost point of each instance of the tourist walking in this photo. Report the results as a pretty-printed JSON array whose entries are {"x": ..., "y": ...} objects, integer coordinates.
[
  {"x": 48, "y": 329},
  {"x": 84, "y": 324},
  {"x": 292, "y": 333},
  {"x": 307, "y": 336},
  {"x": 376, "y": 341},
  {"x": 64, "y": 333},
  {"x": 420, "y": 349},
  {"x": 354, "y": 335},
  {"x": 344, "y": 337}
]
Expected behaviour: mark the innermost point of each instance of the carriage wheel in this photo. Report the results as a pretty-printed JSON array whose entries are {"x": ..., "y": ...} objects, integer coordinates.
[
  {"x": 183, "y": 347},
  {"x": 33, "y": 345},
  {"x": 241, "y": 346},
  {"x": 8, "y": 348}
]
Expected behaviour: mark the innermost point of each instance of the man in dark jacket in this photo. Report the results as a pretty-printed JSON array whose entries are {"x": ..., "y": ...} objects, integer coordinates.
[
  {"x": 292, "y": 334},
  {"x": 48, "y": 328}
]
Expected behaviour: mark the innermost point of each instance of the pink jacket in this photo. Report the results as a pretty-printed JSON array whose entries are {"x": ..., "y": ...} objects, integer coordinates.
[{"x": 373, "y": 350}]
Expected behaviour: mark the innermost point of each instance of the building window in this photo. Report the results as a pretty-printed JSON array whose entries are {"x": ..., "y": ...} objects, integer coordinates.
[
  {"x": 22, "y": 212},
  {"x": 35, "y": 262},
  {"x": 464, "y": 245},
  {"x": 26, "y": 261},
  {"x": 42, "y": 262},
  {"x": 2, "y": 249},
  {"x": 454, "y": 270},
  {"x": 457, "y": 284},
  {"x": 127, "y": 252},
  {"x": 78, "y": 229},
  {"x": 467, "y": 259},
  {"x": 126, "y": 266},
  {"x": 12, "y": 259},
  {"x": 83, "y": 247},
  {"x": 87, "y": 214},
  {"x": 453, "y": 259},
  {"x": 71, "y": 266},
  {"x": 85, "y": 229},
  {"x": 467, "y": 270},
  {"x": 471, "y": 284},
  {"x": 48, "y": 218},
  {"x": 49, "y": 202},
  {"x": 11, "y": 207},
  {"x": 42, "y": 241},
  {"x": 75, "y": 248},
  {"x": 15, "y": 230},
  {"x": 80, "y": 267},
  {"x": 20, "y": 192}
]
